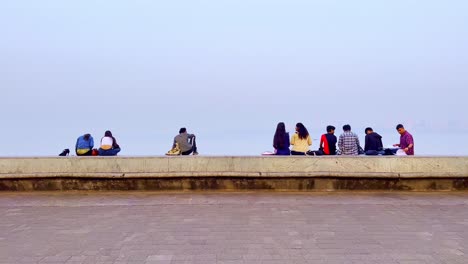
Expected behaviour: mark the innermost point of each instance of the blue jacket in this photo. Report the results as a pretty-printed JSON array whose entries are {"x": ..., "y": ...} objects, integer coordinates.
[{"x": 81, "y": 143}]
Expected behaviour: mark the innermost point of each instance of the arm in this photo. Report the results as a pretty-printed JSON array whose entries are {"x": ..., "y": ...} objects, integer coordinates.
[
  {"x": 287, "y": 140},
  {"x": 340, "y": 142},
  {"x": 410, "y": 143},
  {"x": 76, "y": 145},
  {"x": 321, "y": 142},
  {"x": 309, "y": 140},
  {"x": 366, "y": 143},
  {"x": 91, "y": 143},
  {"x": 292, "y": 139},
  {"x": 357, "y": 141}
]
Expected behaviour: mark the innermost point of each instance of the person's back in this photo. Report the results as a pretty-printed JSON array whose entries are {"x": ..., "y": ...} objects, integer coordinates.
[
  {"x": 84, "y": 145},
  {"x": 301, "y": 140},
  {"x": 281, "y": 140},
  {"x": 373, "y": 141},
  {"x": 109, "y": 146},
  {"x": 328, "y": 141},
  {"x": 329, "y": 144},
  {"x": 183, "y": 140},
  {"x": 348, "y": 142},
  {"x": 107, "y": 143},
  {"x": 282, "y": 146},
  {"x": 186, "y": 142}
]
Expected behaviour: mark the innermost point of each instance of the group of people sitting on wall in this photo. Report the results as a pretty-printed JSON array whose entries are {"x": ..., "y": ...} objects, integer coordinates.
[
  {"x": 348, "y": 142},
  {"x": 184, "y": 144},
  {"x": 85, "y": 145}
]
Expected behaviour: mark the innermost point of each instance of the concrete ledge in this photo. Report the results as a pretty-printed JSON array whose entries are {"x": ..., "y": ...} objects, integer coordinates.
[{"x": 234, "y": 173}]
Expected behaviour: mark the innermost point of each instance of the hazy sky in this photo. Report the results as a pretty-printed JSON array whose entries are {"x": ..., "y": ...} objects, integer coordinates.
[{"x": 227, "y": 70}]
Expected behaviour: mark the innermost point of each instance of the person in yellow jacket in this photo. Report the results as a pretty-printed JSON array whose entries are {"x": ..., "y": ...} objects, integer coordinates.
[{"x": 301, "y": 140}]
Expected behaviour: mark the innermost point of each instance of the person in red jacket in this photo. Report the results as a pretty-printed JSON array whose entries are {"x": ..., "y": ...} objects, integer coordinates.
[{"x": 328, "y": 141}]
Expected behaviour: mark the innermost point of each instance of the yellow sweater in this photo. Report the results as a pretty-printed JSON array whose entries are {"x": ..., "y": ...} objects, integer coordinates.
[{"x": 300, "y": 145}]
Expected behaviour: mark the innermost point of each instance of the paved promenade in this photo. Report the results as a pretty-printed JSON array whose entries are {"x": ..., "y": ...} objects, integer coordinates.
[{"x": 245, "y": 228}]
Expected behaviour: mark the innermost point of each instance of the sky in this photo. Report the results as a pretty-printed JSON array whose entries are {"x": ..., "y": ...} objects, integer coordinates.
[{"x": 229, "y": 71}]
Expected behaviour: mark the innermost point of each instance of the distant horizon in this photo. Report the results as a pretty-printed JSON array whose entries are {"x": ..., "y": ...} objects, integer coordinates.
[{"x": 230, "y": 71}]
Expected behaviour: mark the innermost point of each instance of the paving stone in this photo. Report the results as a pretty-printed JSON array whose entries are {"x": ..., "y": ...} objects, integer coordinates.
[{"x": 227, "y": 228}]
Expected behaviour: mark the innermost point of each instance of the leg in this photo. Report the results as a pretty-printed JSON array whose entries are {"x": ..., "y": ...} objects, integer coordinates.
[
  {"x": 103, "y": 152},
  {"x": 296, "y": 153},
  {"x": 113, "y": 152},
  {"x": 194, "y": 145},
  {"x": 188, "y": 152}
]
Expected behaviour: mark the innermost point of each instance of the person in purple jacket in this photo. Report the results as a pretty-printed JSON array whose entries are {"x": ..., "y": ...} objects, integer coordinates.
[
  {"x": 281, "y": 140},
  {"x": 406, "y": 140}
]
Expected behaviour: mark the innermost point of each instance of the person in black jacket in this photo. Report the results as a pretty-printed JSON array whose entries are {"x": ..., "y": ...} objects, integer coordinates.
[{"x": 373, "y": 142}]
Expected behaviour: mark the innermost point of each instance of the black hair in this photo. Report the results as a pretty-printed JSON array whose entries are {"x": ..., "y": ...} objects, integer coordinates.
[
  {"x": 114, "y": 142},
  {"x": 86, "y": 137},
  {"x": 330, "y": 128},
  {"x": 279, "y": 138},
  {"x": 368, "y": 129},
  {"x": 182, "y": 130},
  {"x": 347, "y": 128},
  {"x": 302, "y": 131},
  {"x": 399, "y": 126}
]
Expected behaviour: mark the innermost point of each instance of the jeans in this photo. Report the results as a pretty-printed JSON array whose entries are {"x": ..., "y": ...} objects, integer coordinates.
[
  {"x": 374, "y": 152},
  {"x": 297, "y": 153},
  {"x": 283, "y": 152},
  {"x": 194, "y": 147},
  {"x": 108, "y": 152}
]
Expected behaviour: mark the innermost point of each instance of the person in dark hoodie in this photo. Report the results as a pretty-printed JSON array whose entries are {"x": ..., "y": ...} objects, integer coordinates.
[{"x": 373, "y": 143}]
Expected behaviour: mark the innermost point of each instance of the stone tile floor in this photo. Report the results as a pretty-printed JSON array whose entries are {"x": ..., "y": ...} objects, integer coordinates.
[{"x": 246, "y": 228}]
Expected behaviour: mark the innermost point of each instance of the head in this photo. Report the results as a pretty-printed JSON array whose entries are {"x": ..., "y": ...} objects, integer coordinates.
[
  {"x": 86, "y": 136},
  {"x": 346, "y": 128},
  {"x": 368, "y": 130},
  {"x": 281, "y": 128},
  {"x": 108, "y": 134},
  {"x": 278, "y": 140},
  {"x": 182, "y": 130},
  {"x": 401, "y": 129},
  {"x": 302, "y": 131},
  {"x": 330, "y": 129}
]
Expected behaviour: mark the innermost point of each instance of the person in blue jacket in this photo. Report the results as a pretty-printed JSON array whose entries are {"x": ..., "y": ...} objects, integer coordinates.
[
  {"x": 84, "y": 145},
  {"x": 281, "y": 141}
]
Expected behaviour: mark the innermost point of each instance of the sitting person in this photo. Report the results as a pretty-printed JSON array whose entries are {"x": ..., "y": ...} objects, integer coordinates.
[
  {"x": 328, "y": 142},
  {"x": 109, "y": 146},
  {"x": 84, "y": 145},
  {"x": 186, "y": 142},
  {"x": 406, "y": 140},
  {"x": 348, "y": 142},
  {"x": 373, "y": 143},
  {"x": 281, "y": 140},
  {"x": 301, "y": 140}
]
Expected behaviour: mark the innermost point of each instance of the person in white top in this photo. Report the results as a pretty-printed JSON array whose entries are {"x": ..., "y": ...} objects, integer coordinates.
[{"x": 109, "y": 146}]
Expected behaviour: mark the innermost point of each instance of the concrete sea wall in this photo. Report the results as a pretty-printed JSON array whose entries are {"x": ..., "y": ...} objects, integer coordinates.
[{"x": 235, "y": 173}]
